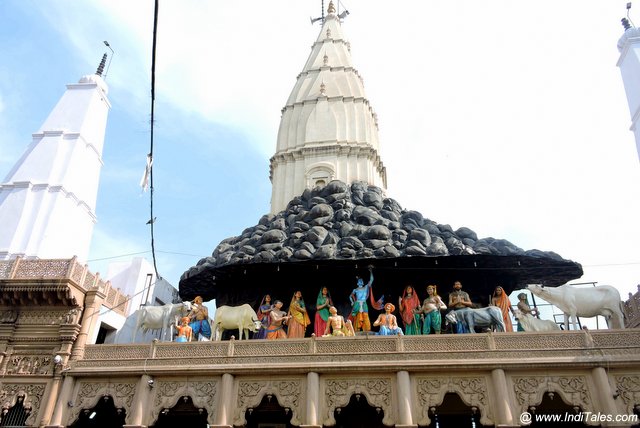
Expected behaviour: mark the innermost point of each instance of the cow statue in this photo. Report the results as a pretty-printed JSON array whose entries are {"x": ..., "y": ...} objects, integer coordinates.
[
  {"x": 159, "y": 317},
  {"x": 489, "y": 317},
  {"x": 242, "y": 317},
  {"x": 584, "y": 302},
  {"x": 531, "y": 323}
]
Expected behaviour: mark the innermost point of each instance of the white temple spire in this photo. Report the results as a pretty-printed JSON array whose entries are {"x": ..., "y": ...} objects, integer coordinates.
[
  {"x": 328, "y": 129},
  {"x": 629, "y": 64},
  {"x": 48, "y": 199}
]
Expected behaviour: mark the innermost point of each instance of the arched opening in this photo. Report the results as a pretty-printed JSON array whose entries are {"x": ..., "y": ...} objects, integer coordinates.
[
  {"x": 16, "y": 415},
  {"x": 359, "y": 414},
  {"x": 184, "y": 413},
  {"x": 268, "y": 414},
  {"x": 454, "y": 413},
  {"x": 103, "y": 415},
  {"x": 556, "y": 412}
]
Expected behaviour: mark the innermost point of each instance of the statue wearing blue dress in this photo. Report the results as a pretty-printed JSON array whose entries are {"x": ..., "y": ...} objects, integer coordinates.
[{"x": 388, "y": 323}]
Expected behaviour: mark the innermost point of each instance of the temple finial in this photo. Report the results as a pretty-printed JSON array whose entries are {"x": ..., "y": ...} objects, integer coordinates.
[
  {"x": 101, "y": 66},
  {"x": 331, "y": 8}
]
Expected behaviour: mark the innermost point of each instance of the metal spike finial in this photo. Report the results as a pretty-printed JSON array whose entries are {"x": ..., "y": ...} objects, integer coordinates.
[
  {"x": 331, "y": 8},
  {"x": 102, "y": 64}
]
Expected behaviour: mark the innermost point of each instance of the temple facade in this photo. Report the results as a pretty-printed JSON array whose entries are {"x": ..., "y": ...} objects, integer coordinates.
[{"x": 51, "y": 375}]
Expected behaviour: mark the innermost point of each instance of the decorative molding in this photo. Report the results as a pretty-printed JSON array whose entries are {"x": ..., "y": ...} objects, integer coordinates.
[
  {"x": 33, "y": 393},
  {"x": 472, "y": 390},
  {"x": 90, "y": 392},
  {"x": 573, "y": 390},
  {"x": 377, "y": 390},
  {"x": 203, "y": 393},
  {"x": 289, "y": 392},
  {"x": 20, "y": 364},
  {"x": 628, "y": 386}
]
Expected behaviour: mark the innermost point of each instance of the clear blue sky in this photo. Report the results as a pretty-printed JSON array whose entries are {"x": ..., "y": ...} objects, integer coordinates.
[{"x": 505, "y": 117}]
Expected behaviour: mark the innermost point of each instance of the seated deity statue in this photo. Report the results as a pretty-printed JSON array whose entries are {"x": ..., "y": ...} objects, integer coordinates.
[
  {"x": 388, "y": 323},
  {"x": 337, "y": 326}
]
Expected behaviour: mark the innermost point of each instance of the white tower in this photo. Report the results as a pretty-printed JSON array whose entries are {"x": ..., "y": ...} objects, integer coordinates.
[
  {"x": 47, "y": 201},
  {"x": 328, "y": 130},
  {"x": 629, "y": 63}
]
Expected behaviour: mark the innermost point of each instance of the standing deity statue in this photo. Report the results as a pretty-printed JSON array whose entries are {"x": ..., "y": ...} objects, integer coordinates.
[
  {"x": 359, "y": 309},
  {"x": 501, "y": 300},
  {"x": 409, "y": 305},
  {"x": 323, "y": 304},
  {"x": 431, "y": 308}
]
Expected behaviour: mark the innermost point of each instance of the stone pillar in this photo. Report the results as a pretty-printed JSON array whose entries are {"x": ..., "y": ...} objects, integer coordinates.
[
  {"x": 140, "y": 405},
  {"x": 226, "y": 399},
  {"x": 313, "y": 401},
  {"x": 50, "y": 400},
  {"x": 92, "y": 302},
  {"x": 405, "y": 418},
  {"x": 605, "y": 402},
  {"x": 62, "y": 403},
  {"x": 502, "y": 408}
]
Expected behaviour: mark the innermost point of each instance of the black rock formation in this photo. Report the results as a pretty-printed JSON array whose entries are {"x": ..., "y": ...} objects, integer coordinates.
[{"x": 327, "y": 234}]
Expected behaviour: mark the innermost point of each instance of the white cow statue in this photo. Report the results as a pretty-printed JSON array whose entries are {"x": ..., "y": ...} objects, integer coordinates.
[
  {"x": 531, "y": 323},
  {"x": 242, "y": 317},
  {"x": 584, "y": 302},
  {"x": 159, "y": 317},
  {"x": 490, "y": 317}
]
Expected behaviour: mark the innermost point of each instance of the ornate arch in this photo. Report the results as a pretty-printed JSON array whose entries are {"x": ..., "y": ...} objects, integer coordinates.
[
  {"x": 203, "y": 393},
  {"x": 628, "y": 386},
  {"x": 289, "y": 393},
  {"x": 89, "y": 393},
  {"x": 33, "y": 393},
  {"x": 471, "y": 390},
  {"x": 338, "y": 392},
  {"x": 319, "y": 171},
  {"x": 573, "y": 390}
]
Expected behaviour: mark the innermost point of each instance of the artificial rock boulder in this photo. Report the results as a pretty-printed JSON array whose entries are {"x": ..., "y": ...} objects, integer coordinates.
[{"x": 340, "y": 224}]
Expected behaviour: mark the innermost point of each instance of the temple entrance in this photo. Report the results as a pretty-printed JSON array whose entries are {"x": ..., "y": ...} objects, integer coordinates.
[
  {"x": 552, "y": 405},
  {"x": 102, "y": 415},
  {"x": 269, "y": 414},
  {"x": 454, "y": 413},
  {"x": 359, "y": 414},
  {"x": 184, "y": 413}
]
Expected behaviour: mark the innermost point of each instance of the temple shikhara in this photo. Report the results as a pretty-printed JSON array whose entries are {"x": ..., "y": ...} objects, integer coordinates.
[{"x": 74, "y": 353}]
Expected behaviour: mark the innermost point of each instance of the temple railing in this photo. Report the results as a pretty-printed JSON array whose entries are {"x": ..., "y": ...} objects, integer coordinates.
[
  {"x": 481, "y": 351},
  {"x": 64, "y": 270}
]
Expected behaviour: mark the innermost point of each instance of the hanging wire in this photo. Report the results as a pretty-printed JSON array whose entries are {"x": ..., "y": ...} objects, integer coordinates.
[{"x": 153, "y": 100}]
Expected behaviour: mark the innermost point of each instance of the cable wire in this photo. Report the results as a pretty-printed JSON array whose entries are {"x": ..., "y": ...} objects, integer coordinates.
[{"x": 153, "y": 101}]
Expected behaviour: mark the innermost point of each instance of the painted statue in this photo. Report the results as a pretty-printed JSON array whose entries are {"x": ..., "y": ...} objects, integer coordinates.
[
  {"x": 185, "y": 332},
  {"x": 387, "y": 322},
  {"x": 336, "y": 325},
  {"x": 489, "y": 317},
  {"x": 299, "y": 316},
  {"x": 502, "y": 302},
  {"x": 323, "y": 304},
  {"x": 584, "y": 302},
  {"x": 359, "y": 309},
  {"x": 409, "y": 306},
  {"x": 525, "y": 309},
  {"x": 263, "y": 317},
  {"x": 277, "y": 319},
  {"x": 431, "y": 308},
  {"x": 459, "y": 299},
  {"x": 243, "y": 318},
  {"x": 199, "y": 317}
]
